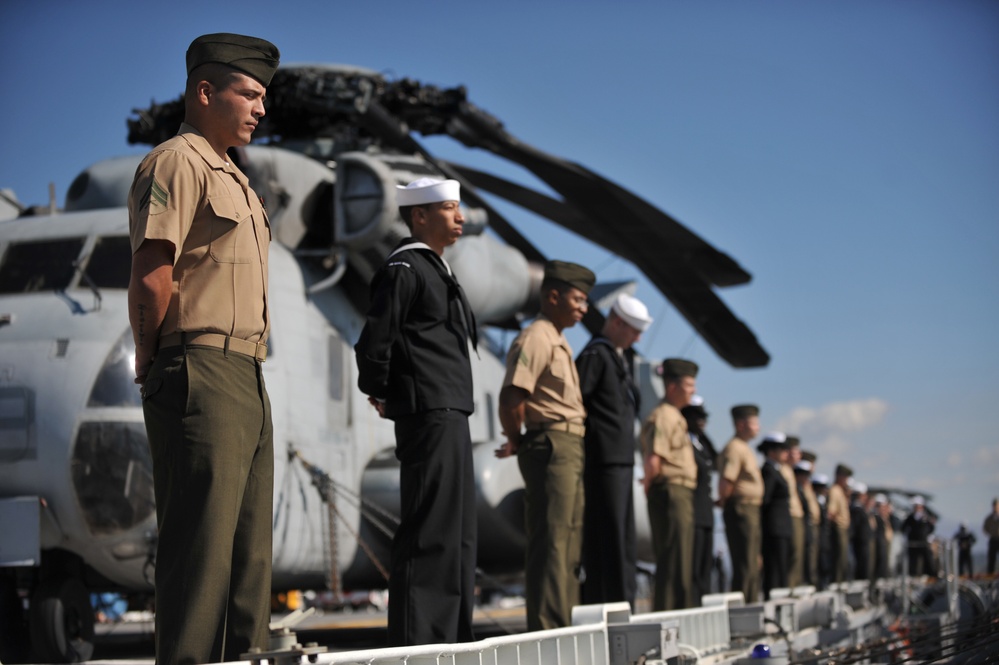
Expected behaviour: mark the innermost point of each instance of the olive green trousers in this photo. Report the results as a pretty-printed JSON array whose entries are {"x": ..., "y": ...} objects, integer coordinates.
[
  {"x": 671, "y": 517},
  {"x": 208, "y": 420},
  {"x": 796, "y": 574},
  {"x": 552, "y": 466},
  {"x": 742, "y": 529}
]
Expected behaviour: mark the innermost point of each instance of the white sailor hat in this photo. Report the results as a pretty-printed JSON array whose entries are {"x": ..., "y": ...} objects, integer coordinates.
[
  {"x": 632, "y": 311},
  {"x": 918, "y": 500},
  {"x": 696, "y": 400},
  {"x": 880, "y": 498},
  {"x": 859, "y": 487},
  {"x": 803, "y": 465},
  {"x": 427, "y": 190},
  {"x": 820, "y": 479}
]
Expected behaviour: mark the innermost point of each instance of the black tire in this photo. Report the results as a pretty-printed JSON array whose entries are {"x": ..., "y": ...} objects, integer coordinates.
[
  {"x": 13, "y": 624},
  {"x": 61, "y": 621}
]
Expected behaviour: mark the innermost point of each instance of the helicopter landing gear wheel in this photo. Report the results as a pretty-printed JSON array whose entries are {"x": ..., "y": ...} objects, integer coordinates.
[
  {"x": 62, "y": 621},
  {"x": 13, "y": 642}
]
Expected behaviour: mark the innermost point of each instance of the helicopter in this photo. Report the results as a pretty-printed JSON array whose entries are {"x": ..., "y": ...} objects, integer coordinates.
[{"x": 76, "y": 494}]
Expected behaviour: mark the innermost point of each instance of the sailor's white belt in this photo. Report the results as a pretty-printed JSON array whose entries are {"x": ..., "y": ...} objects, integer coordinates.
[
  {"x": 558, "y": 426},
  {"x": 217, "y": 341}
]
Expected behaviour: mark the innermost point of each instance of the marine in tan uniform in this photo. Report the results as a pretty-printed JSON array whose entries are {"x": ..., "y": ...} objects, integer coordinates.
[
  {"x": 838, "y": 514},
  {"x": 740, "y": 493},
  {"x": 541, "y": 410},
  {"x": 813, "y": 516},
  {"x": 796, "y": 571},
  {"x": 670, "y": 480},
  {"x": 199, "y": 316}
]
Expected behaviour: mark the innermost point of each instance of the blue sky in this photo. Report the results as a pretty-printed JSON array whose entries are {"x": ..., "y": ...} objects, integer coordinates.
[{"x": 845, "y": 153}]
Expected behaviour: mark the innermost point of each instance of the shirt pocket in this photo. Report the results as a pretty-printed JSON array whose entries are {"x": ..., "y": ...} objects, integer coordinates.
[
  {"x": 232, "y": 237},
  {"x": 679, "y": 441},
  {"x": 560, "y": 369}
]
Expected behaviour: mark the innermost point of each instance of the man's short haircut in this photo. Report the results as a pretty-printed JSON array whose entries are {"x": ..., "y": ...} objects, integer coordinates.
[
  {"x": 672, "y": 379},
  {"x": 744, "y": 412},
  {"x": 557, "y": 284},
  {"x": 406, "y": 212},
  {"x": 219, "y": 75}
]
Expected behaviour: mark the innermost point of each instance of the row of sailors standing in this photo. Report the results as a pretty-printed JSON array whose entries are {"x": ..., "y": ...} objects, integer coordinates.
[
  {"x": 784, "y": 526},
  {"x": 570, "y": 425},
  {"x": 549, "y": 403}
]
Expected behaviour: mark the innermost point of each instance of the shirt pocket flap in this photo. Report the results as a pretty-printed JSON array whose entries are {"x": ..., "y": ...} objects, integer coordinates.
[
  {"x": 231, "y": 240},
  {"x": 226, "y": 207}
]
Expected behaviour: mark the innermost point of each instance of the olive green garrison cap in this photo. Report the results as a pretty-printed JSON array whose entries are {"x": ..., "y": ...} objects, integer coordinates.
[{"x": 251, "y": 55}]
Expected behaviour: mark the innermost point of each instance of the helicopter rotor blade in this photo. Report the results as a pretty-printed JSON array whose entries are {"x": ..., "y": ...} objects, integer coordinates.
[{"x": 687, "y": 287}]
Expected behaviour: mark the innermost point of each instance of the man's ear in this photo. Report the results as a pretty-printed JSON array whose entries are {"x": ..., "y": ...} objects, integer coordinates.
[
  {"x": 204, "y": 90},
  {"x": 418, "y": 216}
]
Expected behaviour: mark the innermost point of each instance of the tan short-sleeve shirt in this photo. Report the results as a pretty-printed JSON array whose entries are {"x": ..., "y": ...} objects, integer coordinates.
[
  {"x": 795, "y": 508},
  {"x": 738, "y": 465},
  {"x": 665, "y": 434},
  {"x": 814, "y": 509},
  {"x": 540, "y": 362},
  {"x": 839, "y": 507},
  {"x": 183, "y": 192}
]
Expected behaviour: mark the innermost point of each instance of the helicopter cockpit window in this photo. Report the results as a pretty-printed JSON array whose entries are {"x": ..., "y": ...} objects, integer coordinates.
[
  {"x": 113, "y": 475},
  {"x": 45, "y": 265},
  {"x": 115, "y": 385},
  {"x": 110, "y": 262}
]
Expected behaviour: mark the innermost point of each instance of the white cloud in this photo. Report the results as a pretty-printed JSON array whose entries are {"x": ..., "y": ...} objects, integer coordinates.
[
  {"x": 987, "y": 455},
  {"x": 834, "y": 445},
  {"x": 836, "y": 417},
  {"x": 877, "y": 460},
  {"x": 829, "y": 429}
]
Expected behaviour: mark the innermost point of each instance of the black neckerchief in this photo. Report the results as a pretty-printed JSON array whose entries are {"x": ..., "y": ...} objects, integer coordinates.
[
  {"x": 624, "y": 371},
  {"x": 455, "y": 292}
]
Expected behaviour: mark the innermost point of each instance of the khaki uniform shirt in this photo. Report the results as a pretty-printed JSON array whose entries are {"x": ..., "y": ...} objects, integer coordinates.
[
  {"x": 738, "y": 465},
  {"x": 540, "y": 362},
  {"x": 664, "y": 433},
  {"x": 813, "y": 507},
  {"x": 183, "y": 192},
  {"x": 795, "y": 508},
  {"x": 838, "y": 508}
]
